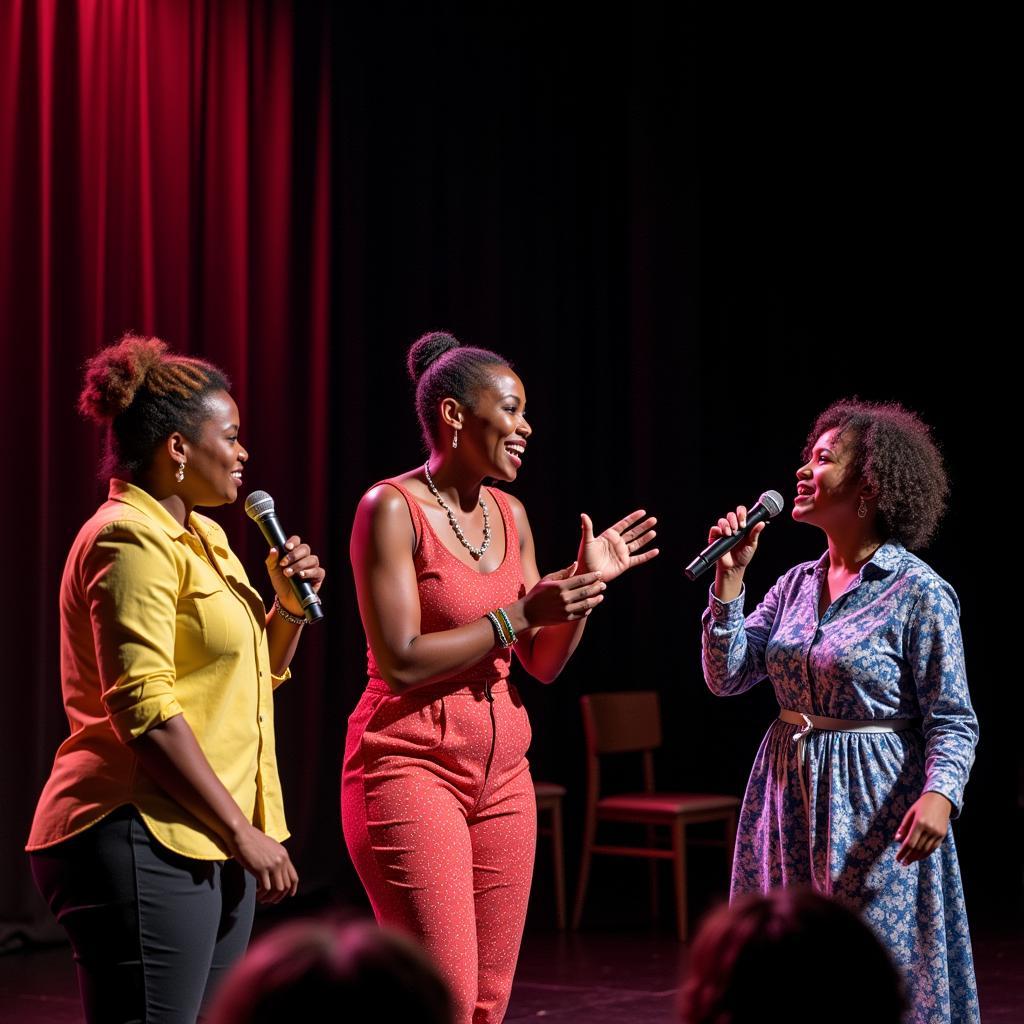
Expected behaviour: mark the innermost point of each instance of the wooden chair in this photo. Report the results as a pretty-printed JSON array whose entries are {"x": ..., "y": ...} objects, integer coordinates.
[
  {"x": 631, "y": 722},
  {"x": 549, "y": 799}
]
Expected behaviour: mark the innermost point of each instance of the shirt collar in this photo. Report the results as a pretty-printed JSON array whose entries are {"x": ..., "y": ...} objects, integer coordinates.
[
  {"x": 885, "y": 560},
  {"x": 211, "y": 533},
  {"x": 144, "y": 502}
]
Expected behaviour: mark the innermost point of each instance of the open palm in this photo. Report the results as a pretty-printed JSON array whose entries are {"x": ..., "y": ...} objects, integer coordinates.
[{"x": 619, "y": 548}]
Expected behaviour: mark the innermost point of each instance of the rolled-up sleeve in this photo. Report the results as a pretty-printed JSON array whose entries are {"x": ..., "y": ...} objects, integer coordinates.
[
  {"x": 950, "y": 726},
  {"x": 132, "y": 589}
]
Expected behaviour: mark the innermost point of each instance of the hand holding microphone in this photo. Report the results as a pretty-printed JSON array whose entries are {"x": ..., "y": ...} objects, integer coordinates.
[
  {"x": 734, "y": 526},
  {"x": 295, "y": 572},
  {"x": 733, "y": 540}
]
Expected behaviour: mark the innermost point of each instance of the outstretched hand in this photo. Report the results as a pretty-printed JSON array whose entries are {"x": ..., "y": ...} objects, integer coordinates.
[{"x": 619, "y": 548}]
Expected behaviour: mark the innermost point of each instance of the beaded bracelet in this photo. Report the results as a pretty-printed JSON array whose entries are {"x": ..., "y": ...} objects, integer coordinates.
[
  {"x": 295, "y": 620},
  {"x": 512, "y": 638},
  {"x": 498, "y": 631}
]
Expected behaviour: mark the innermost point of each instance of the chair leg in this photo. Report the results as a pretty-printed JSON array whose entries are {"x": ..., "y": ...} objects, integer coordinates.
[
  {"x": 559, "y": 857},
  {"x": 679, "y": 871},
  {"x": 589, "y": 830},
  {"x": 652, "y": 871}
]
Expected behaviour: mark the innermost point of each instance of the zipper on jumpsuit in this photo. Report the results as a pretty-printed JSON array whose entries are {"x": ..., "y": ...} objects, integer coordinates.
[{"x": 489, "y": 697}]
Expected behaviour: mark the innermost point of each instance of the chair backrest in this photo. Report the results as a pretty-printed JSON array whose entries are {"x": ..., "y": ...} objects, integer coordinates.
[{"x": 620, "y": 722}]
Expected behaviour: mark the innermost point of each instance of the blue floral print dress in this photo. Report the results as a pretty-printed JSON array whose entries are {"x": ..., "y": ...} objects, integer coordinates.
[{"x": 888, "y": 648}]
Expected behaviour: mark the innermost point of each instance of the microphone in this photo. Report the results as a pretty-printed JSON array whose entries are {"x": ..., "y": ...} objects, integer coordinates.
[
  {"x": 259, "y": 507},
  {"x": 768, "y": 506}
]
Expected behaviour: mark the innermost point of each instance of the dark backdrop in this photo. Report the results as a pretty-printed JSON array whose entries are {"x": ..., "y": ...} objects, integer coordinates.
[{"x": 690, "y": 231}]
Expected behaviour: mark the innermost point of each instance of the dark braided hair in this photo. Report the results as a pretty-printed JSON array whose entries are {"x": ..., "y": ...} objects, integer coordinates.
[
  {"x": 891, "y": 448},
  {"x": 143, "y": 393},
  {"x": 441, "y": 367}
]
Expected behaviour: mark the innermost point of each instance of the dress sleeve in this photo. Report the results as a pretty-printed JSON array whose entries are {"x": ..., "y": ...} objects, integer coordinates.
[
  {"x": 131, "y": 583},
  {"x": 733, "y": 648},
  {"x": 936, "y": 654}
]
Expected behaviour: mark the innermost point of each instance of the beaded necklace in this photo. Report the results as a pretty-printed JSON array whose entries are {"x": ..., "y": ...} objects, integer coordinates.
[{"x": 476, "y": 552}]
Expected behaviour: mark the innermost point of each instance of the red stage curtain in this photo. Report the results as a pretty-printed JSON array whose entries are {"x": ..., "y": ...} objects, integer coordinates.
[{"x": 163, "y": 168}]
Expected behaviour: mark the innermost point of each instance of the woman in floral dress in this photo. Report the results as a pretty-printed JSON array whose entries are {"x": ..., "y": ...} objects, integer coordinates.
[{"x": 854, "y": 785}]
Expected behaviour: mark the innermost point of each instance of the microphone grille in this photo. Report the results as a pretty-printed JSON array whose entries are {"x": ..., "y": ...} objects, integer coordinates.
[
  {"x": 771, "y": 500},
  {"x": 258, "y": 504}
]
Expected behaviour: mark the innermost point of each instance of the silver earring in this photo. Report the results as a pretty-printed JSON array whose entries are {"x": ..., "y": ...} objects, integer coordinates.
[
  {"x": 862, "y": 509},
  {"x": 180, "y": 474},
  {"x": 455, "y": 439}
]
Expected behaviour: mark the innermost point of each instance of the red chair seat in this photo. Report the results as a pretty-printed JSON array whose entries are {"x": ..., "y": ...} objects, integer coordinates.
[
  {"x": 548, "y": 789},
  {"x": 669, "y": 804}
]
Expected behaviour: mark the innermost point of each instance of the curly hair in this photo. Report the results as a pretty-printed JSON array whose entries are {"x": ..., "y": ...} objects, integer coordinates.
[
  {"x": 742, "y": 950},
  {"x": 891, "y": 448},
  {"x": 143, "y": 393},
  {"x": 441, "y": 367}
]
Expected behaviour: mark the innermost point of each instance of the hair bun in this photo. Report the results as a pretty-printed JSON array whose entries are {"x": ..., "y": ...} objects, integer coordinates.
[
  {"x": 115, "y": 374},
  {"x": 428, "y": 349}
]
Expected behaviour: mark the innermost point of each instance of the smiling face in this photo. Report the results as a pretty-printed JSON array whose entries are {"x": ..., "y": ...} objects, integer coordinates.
[
  {"x": 214, "y": 462},
  {"x": 495, "y": 430},
  {"x": 827, "y": 493}
]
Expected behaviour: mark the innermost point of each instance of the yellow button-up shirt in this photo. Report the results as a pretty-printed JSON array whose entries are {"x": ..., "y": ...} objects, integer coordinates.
[{"x": 158, "y": 620}]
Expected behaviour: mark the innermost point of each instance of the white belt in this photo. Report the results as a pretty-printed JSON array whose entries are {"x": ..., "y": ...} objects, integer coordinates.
[{"x": 812, "y": 722}]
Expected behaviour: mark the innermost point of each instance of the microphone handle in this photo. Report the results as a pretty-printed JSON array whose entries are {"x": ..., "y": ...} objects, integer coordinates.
[
  {"x": 271, "y": 529},
  {"x": 714, "y": 551}
]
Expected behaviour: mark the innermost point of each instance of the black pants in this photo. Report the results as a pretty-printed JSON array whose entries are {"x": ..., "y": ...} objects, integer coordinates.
[{"x": 153, "y": 932}]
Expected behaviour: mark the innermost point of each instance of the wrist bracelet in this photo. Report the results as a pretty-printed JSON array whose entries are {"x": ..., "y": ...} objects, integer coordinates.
[
  {"x": 295, "y": 620},
  {"x": 498, "y": 631},
  {"x": 512, "y": 638}
]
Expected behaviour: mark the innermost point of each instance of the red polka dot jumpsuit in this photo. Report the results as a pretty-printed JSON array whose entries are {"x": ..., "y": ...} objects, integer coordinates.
[{"x": 437, "y": 801}]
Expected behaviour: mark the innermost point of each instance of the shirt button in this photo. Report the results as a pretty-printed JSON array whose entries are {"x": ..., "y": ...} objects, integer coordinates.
[{"x": 261, "y": 719}]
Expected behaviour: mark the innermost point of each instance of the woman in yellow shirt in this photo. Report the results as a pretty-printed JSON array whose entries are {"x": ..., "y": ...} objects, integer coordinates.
[{"x": 162, "y": 820}]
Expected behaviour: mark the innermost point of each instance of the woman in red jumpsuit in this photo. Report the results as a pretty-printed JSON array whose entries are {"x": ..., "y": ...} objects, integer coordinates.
[{"x": 437, "y": 802}]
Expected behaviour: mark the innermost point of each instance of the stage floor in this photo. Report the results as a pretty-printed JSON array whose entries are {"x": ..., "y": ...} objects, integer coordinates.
[{"x": 597, "y": 977}]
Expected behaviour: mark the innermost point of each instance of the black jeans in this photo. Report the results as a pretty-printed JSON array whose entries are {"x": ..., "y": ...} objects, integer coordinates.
[{"x": 153, "y": 932}]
